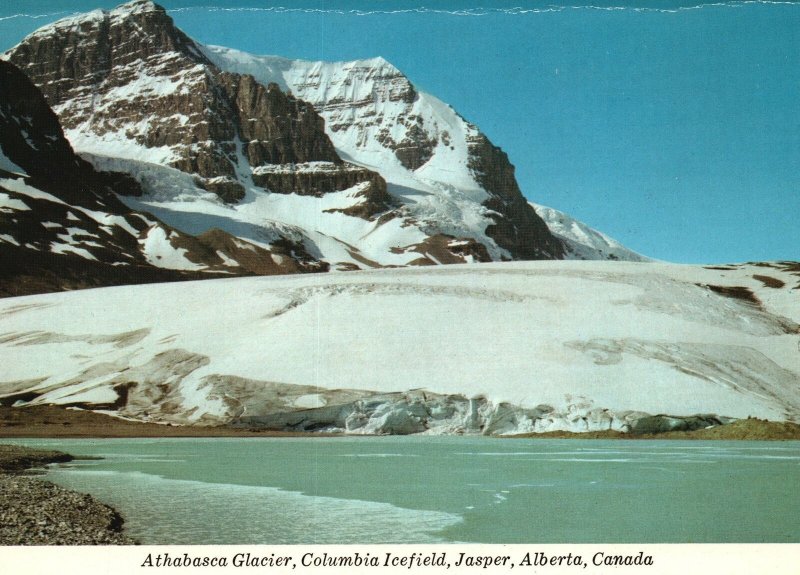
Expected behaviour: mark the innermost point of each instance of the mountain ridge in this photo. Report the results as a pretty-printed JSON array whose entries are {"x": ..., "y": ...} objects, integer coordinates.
[{"x": 413, "y": 142}]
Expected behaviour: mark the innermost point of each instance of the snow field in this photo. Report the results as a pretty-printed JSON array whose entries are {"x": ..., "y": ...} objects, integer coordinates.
[{"x": 567, "y": 334}]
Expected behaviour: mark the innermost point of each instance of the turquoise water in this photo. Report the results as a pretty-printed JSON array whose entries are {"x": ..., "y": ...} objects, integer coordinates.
[{"x": 440, "y": 489}]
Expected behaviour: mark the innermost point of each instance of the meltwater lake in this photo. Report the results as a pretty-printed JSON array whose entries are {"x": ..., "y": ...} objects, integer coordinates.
[{"x": 439, "y": 489}]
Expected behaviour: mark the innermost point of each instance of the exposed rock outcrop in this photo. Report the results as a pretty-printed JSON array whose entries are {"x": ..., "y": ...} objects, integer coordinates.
[
  {"x": 665, "y": 423},
  {"x": 129, "y": 76},
  {"x": 444, "y": 249},
  {"x": 276, "y": 128},
  {"x": 320, "y": 178},
  {"x": 62, "y": 225},
  {"x": 517, "y": 227}
]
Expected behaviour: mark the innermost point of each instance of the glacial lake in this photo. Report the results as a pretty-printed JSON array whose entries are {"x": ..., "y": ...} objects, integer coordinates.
[{"x": 439, "y": 489}]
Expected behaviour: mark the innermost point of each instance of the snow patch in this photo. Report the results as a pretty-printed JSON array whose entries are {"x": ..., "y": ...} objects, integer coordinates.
[
  {"x": 9, "y": 204},
  {"x": 159, "y": 251},
  {"x": 7, "y": 165},
  {"x": 226, "y": 260},
  {"x": 69, "y": 248},
  {"x": 20, "y": 187}
]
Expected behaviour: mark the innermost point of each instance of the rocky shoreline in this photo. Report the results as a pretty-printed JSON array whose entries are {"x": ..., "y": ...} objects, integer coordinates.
[
  {"x": 37, "y": 512},
  {"x": 47, "y": 421}
]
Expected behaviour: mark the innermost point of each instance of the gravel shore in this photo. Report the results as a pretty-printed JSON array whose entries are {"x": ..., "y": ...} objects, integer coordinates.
[
  {"x": 37, "y": 512},
  {"x": 51, "y": 422}
]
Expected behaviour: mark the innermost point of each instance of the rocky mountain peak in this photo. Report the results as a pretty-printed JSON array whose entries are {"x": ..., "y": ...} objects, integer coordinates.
[
  {"x": 129, "y": 84},
  {"x": 138, "y": 6},
  {"x": 375, "y": 115},
  {"x": 87, "y": 49}
]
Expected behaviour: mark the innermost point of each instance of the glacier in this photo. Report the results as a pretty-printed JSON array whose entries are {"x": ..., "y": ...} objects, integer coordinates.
[{"x": 476, "y": 348}]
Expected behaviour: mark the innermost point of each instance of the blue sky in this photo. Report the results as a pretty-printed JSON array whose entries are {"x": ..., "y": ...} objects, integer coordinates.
[{"x": 676, "y": 131}]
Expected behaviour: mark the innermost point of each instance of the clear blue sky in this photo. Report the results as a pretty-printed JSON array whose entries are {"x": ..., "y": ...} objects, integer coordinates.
[{"x": 675, "y": 131}]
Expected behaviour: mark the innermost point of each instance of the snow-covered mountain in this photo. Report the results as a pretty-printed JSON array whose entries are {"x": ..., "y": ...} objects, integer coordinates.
[
  {"x": 348, "y": 160},
  {"x": 63, "y": 226},
  {"x": 484, "y": 348},
  {"x": 582, "y": 242},
  {"x": 442, "y": 169}
]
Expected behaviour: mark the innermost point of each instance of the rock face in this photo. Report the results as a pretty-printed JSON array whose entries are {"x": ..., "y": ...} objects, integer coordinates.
[
  {"x": 320, "y": 178},
  {"x": 276, "y": 128},
  {"x": 49, "y": 201},
  {"x": 62, "y": 225},
  {"x": 33, "y": 139},
  {"x": 129, "y": 78},
  {"x": 375, "y": 115},
  {"x": 517, "y": 227}
]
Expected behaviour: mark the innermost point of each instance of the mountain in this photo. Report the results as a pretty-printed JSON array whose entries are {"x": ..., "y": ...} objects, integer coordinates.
[
  {"x": 483, "y": 348},
  {"x": 347, "y": 160},
  {"x": 582, "y": 242},
  {"x": 62, "y": 225},
  {"x": 440, "y": 166}
]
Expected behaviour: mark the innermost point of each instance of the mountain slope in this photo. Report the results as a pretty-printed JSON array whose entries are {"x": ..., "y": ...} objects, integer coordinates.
[
  {"x": 377, "y": 118},
  {"x": 489, "y": 348},
  {"x": 62, "y": 225},
  {"x": 582, "y": 242},
  {"x": 129, "y": 85}
]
